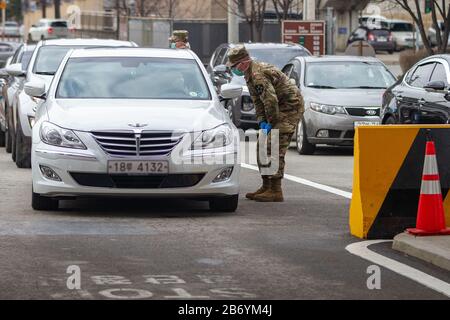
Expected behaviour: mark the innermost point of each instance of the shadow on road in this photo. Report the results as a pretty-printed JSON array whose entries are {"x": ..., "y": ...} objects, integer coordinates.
[{"x": 328, "y": 151}]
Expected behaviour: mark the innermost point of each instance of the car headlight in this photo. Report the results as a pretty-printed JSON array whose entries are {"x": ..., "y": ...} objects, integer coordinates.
[
  {"x": 325, "y": 108},
  {"x": 57, "y": 136},
  {"x": 218, "y": 137}
]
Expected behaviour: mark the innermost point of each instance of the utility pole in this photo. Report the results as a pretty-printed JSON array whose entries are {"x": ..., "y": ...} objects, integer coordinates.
[
  {"x": 233, "y": 22},
  {"x": 44, "y": 8},
  {"x": 3, "y": 6},
  {"x": 57, "y": 4},
  {"x": 309, "y": 10},
  {"x": 330, "y": 34},
  {"x": 118, "y": 19}
]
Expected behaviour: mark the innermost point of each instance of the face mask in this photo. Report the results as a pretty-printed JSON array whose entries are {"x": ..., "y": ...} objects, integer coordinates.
[
  {"x": 173, "y": 45},
  {"x": 237, "y": 72}
]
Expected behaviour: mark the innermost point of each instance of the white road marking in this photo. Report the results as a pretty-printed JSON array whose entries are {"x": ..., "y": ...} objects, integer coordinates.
[
  {"x": 361, "y": 249},
  {"x": 308, "y": 183}
]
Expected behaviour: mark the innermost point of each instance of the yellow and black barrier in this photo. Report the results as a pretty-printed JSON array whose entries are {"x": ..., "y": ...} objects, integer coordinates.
[{"x": 388, "y": 174}]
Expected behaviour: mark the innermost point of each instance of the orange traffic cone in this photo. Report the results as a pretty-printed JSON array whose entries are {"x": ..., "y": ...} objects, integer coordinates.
[{"x": 430, "y": 215}]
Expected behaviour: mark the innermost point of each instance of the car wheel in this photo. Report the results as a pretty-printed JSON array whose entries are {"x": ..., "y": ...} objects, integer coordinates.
[
  {"x": 41, "y": 203},
  {"x": 8, "y": 140},
  {"x": 391, "y": 51},
  {"x": 30, "y": 38},
  {"x": 2, "y": 138},
  {"x": 390, "y": 120},
  {"x": 303, "y": 145},
  {"x": 42, "y": 37},
  {"x": 224, "y": 204},
  {"x": 22, "y": 149}
]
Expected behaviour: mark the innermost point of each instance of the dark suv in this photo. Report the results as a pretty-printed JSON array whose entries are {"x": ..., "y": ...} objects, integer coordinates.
[
  {"x": 422, "y": 96},
  {"x": 380, "y": 39},
  {"x": 241, "y": 110}
]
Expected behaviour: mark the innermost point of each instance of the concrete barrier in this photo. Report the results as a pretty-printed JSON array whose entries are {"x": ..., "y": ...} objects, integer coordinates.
[{"x": 387, "y": 177}]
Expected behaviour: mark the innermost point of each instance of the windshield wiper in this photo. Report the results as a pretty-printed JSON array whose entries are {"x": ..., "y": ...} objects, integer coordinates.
[
  {"x": 321, "y": 87},
  {"x": 366, "y": 87},
  {"x": 47, "y": 73}
]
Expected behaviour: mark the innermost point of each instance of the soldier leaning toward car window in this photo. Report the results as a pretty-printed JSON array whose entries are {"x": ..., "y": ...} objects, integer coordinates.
[
  {"x": 278, "y": 104},
  {"x": 179, "y": 40}
]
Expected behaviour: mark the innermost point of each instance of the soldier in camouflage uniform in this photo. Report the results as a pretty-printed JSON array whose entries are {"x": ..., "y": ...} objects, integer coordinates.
[
  {"x": 179, "y": 40},
  {"x": 278, "y": 104}
]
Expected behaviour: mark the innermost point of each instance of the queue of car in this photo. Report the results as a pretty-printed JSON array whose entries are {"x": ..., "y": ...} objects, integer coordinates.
[{"x": 102, "y": 118}]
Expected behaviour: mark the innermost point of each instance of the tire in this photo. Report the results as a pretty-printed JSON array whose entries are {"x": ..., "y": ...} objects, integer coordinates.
[
  {"x": 391, "y": 51},
  {"x": 304, "y": 147},
  {"x": 2, "y": 138},
  {"x": 390, "y": 121},
  {"x": 224, "y": 204},
  {"x": 22, "y": 149},
  {"x": 8, "y": 138},
  {"x": 30, "y": 39},
  {"x": 41, "y": 203}
]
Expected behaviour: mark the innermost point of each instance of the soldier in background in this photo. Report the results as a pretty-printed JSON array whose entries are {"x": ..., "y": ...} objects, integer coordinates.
[
  {"x": 179, "y": 40},
  {"x": 278, "y": 104}
]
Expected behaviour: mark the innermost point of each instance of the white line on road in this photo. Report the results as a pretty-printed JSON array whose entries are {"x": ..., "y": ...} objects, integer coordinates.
[
  {"x": 308, "y": 183},
  {"x": 361, "y": 249}
]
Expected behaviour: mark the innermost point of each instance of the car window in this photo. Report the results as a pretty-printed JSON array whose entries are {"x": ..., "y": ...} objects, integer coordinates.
[
  {"x": 382, "y": 33},
  {"x": 220, "y": 57},
  {"x": 25, "y": 59},
  {"x": 421, "y": 75},
  {"x": 288, "y": 69},
  {"x": 15, "y": 58},
  {"x": 132, "y": 78},
  {"x": 402, "y": 27},
  {"x": 59, "y": 24},
  {"x": 277, "y": 56},
  {"x": 439, "y": 74},
  {"x": 347, "y": 75}
]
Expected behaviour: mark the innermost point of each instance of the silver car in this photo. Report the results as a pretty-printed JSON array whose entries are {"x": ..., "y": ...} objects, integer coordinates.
[{"x": 340, "y": 92}]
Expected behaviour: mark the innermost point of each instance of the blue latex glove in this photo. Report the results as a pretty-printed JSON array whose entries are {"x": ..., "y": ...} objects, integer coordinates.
[
  {"x": 265, "y": 127},
  {"x": 268, "y": 128},
  {"x": 262, "y": 125}
]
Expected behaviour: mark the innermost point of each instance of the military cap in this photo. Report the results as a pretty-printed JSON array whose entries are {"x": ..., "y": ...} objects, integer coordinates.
[
  {"x": 180, "y": 35},
  {"x": 236, "y": 55}
]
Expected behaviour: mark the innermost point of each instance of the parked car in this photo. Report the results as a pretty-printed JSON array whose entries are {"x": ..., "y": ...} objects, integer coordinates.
[
  {"x": 340, "y": 92},
  {"x": 22, "y": 56},
  {"x": 379, "y": 39},
  {"x": 242, "y": 110},
  {"x": 374, "y": 21},
  {"x": 404, "y": 34},
  {"x": 133, "y": 122},
  {"x": 49, "y": 29},
  {"x": 12, "y": 29},
  {"x": 7, "y": 49},
  {"x": 422, "y": 95},
  {"x": 432, "y": 36},
  {"x": 43, "y": 64}
]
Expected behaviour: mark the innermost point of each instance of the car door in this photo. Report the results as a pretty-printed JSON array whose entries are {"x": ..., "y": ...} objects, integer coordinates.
[
  {"x": 412, "y": 94},
  {"x": 436, "y": 108}
]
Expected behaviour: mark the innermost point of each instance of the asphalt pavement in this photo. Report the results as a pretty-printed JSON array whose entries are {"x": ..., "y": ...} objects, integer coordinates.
[{"x": 178, "y": 249}]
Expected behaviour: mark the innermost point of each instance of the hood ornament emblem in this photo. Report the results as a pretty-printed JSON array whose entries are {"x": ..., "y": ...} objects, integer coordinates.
[{"x": 137, "y": 125}]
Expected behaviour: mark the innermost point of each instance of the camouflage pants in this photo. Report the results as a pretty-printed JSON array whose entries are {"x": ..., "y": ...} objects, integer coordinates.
[{"x": 266, "y": 163}]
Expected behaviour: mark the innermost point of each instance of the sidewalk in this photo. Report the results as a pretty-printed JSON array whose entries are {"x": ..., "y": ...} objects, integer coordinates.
[{"x": 434, "y": 249}]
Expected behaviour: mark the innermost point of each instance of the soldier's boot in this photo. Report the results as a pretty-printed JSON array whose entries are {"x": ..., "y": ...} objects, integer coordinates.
[
  {"x": 265, "y": 186},
  {"x": 274, "y": 194}
]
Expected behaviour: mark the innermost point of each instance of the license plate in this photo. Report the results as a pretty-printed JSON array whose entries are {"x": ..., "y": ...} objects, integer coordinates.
[
  {"x": 381, "y": 39},
  {"x": 366, "y": 123},
  {"x": 138, "y": 167}
]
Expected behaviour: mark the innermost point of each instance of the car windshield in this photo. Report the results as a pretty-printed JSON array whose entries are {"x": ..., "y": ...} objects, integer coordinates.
[
  {"x": 402, "y": 27},
  {"x": 348, "y": 75},
  {"x": 278, "y": 57},
  {"x": 49, "y": 57},
  {"x": 132, "y": 78}
]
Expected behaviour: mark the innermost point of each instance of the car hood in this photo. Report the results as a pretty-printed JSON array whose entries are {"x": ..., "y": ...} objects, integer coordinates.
[
  {"x": 121, "y": 114},
  {"x": 345, "y": 97}
]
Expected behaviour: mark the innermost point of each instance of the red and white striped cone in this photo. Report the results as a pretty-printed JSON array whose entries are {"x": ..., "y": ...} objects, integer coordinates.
[{"x": 430, "y": 215}]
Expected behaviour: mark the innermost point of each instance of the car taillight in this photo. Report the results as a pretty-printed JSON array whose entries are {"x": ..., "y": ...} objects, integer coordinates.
[
  {"x": 50, "y": 30},
  {"x": 371, "y": 37}
]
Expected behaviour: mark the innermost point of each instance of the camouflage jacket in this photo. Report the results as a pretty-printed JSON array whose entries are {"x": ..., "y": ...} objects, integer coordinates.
[{"x": 275, "y": 98}]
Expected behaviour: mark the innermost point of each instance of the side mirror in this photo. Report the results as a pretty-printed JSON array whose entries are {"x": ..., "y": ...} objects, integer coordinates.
[
  {"x": 435, "y": 86},
  {"x": 230, "y": 91},
  {"x": 35, "y": 89},
  {"x": 3, "y": 74},
  {"x": 15, "y": 70}
]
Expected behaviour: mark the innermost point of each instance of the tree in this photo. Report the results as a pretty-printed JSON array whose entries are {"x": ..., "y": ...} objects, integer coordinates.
[
  {"x": 439, "y": 11},
  {"x": 252, "y": 11},
  {"x": 57, "y": 4},
  {"x": 284, "y": 7}
]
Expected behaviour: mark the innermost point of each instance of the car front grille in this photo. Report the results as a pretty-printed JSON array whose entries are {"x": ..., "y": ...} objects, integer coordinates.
[
  {"x": 102, "y": 180},
  {"x": 363, "y": 112},
  {"x": 130, "y": 144}
]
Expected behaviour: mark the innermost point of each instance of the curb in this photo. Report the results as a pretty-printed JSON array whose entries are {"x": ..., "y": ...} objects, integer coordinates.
[{"x": 434, "y": 249}]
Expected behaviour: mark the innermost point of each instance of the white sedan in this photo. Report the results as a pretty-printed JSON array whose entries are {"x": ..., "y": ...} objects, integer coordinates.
[{"x": 133, "y": 122}]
